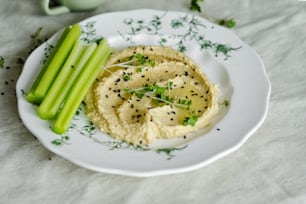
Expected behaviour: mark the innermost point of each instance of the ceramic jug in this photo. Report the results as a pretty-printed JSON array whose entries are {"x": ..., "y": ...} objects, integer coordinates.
[{"x": 66, "y": 6}]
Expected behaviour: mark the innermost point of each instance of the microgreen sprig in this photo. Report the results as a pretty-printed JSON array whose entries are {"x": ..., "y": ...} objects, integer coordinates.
[
  {"x": 154, "y": 91},
  {"x": 191, "y": 120},
  {"x": 157, "y": 93},
  {"x": 137, "y": 61}
]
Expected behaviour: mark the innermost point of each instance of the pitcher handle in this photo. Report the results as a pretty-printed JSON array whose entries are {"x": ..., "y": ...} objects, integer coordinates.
[{"x": 53, "y": 11}]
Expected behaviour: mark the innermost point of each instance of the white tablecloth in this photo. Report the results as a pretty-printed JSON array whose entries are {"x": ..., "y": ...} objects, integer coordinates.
[{"x": 269, "y": 168}]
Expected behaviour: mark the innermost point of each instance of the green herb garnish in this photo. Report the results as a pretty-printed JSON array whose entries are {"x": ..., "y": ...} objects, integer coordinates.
[
  {"x": 139, "y": 69},
  {"x": 190, "y": 120},
  {"x": 226, "y": 103},
  {"x": 194, "y": 5},
  {"x": 37, "y": 33},
  {"x": 230, "y": 23},
  {"x": 2, "y": 61},
  {"x": 157, "y": 93},
  {"x": 137, "y": 61},
  {"x": 126, "y": 77}
]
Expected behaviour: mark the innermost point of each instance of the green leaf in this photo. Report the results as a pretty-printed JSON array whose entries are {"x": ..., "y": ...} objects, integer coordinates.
[
  {"x": 2, "y": 61},
  {"x": 230, "y": 23},
  {"x": 194, "y": 5},
  {"x": 190, "y": 120},
  {"x": 126, "y": 77}
]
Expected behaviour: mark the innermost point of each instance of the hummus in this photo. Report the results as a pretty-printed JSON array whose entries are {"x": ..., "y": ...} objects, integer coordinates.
[{"x": 151, "y": 92}]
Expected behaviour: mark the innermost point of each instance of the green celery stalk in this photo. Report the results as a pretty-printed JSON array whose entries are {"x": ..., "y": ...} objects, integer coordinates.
[
  {"x": 57, "y": 62},
  {"x": 31, "y": 97},
  {"x": 58, "y": 90},
  {"x": 81, "y": 86},
  {"x": 52, "y": 103}
]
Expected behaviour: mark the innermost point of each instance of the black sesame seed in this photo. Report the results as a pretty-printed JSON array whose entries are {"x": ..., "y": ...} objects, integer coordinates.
[
  {"x": 117, "y": 80},
  {"x": 106, "y": 96}
]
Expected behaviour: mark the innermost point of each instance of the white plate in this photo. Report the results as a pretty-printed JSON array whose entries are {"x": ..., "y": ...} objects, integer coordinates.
[{"x": 227, "y": 61}]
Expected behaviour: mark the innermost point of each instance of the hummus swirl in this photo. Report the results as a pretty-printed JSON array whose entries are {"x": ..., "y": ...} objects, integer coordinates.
[{"x": 168, "y": 97}]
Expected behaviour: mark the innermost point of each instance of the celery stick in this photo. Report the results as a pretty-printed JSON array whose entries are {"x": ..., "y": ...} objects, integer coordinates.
[
  {"x": 47, "y": 109},
  {"x": 57, "y": 62},
  {"x": 31, "y": 96},
  {"x": 51, "y": 105},
  {"x": 81, "y": 86}
]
